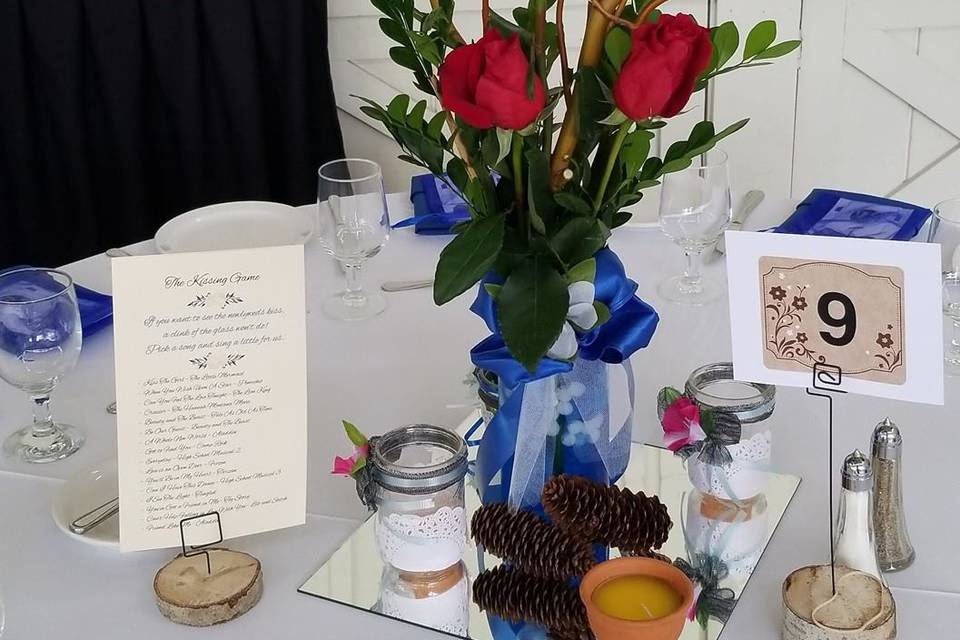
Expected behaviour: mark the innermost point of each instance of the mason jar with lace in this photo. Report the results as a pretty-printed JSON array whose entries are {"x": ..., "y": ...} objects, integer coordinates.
[
  {"x": 744, "y": 476},
  {"x": 417, "y": 475}
]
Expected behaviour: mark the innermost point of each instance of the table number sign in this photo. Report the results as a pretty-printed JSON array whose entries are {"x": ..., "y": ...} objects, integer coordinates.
[
  {"x": 868, "y": 307},
  {"x": 211, "y": 392},
  {"x": 847, "y": 315}
]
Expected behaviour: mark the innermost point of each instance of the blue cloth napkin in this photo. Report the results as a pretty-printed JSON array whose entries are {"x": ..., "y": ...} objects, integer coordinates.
[
  {"x": 96, "y": 309},
  {"x": 437, "y": 207},
  {"x": 826, "y": 212}
]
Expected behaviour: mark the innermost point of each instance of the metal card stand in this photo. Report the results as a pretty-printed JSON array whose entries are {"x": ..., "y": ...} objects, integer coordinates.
[
  {"x": 827, "y": 379},
  {"x": 200, "y": 549}
]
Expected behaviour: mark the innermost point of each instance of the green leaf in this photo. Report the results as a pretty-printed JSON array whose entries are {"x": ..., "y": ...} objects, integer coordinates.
[
  {"x": 435, "y": 127},
  {"x": 426, "y": 47},
  {"x": 726, "y": 39},
  {"x": 702, "y": 133},
  {"x": 676, "y": 165},
  {"x": 651, "y": 168},
  {"x": 468, "y": 256},
  {"x": 376, "y": 114},
  {"x": 539, "y": 193},
  {"x": 493, "y": 289},
  {"x": 603, "y": 313},
  {"x": 666, "y": 397},
  {"x": 406, "y": 58},
  {"x": 353, "y": 434},
  {"x": 415, "y": 118},
  {"x": 457, "y": 172},
  {"x": 531, "y": 310},
  {"x": 359, "y": 464},
  {"x": 676, "y": 150},
  {"x": 572, "y": 203},
  {"x": 736, "y": 126},
  {"x": 490, "y": 147},
  {"x": 394, "y": 30},
  {"x": 579, "y": 239},
  {"x": 504, "y": 137},
  {"x": 635, "y": 149},
  {"x": 760, "y": 37},
  {"x": 616, "y": 118},
  {"x": 586, "y": 271},
  {"x": 398, "y": 107},
  {"x": 617, "y": 46},
  {"x": 778, "y": 50},
  {"x": 620, "y": 218},
  {"x": 386, "y": 7}
]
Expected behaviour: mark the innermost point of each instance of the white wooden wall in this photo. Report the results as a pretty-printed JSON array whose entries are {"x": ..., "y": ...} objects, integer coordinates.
[
  {"x": 879, "y": 98},
  {"x": 871, "y": 103}
]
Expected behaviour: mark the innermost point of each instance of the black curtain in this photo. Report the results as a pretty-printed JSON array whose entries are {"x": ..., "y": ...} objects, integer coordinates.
[{"x": 116, "y": 115}]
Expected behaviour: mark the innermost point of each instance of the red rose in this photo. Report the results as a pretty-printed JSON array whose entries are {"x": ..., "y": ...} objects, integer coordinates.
[
  {"x": 485, "y": 83},
  {"x": 666, "y": 58}
]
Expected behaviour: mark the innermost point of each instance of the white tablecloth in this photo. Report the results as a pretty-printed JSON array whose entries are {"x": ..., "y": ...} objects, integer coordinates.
[{"x": 410, "y": 365}]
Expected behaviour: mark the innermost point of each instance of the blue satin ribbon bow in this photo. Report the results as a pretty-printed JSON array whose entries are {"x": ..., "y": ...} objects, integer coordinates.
[{"x": 526, "y": 399}]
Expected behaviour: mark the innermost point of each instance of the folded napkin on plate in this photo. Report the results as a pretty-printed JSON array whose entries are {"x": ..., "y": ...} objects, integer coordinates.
[
  {"x": 854, "y": 215},
  {"x": 96, "y": 309},
  {"x": 437, "y": 207}
]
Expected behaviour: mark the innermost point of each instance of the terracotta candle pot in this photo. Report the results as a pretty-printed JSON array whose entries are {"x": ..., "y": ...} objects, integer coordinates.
[{"x": 608, "y": 627}]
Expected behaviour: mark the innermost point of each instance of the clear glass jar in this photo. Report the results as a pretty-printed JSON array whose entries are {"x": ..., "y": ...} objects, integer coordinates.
[
  {"x": 714, "y": 389},
  {"x": 418, "y": 473},
  {"x": 488, "y": 391},
  {"x": 437, "y": 599}
]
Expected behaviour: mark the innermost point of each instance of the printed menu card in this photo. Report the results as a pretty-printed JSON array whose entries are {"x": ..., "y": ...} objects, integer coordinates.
[{"x": 211, "y": 392}]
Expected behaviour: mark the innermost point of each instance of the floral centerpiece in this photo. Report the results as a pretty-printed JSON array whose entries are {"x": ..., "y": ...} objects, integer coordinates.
[{"x": 544, "y": 195}]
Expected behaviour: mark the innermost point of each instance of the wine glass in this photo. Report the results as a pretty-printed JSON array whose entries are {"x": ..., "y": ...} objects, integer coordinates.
[
  {"x": 694, "y": 210},
  {"x": 945, "y": 231},
  {"x": 354, "y": 226},
  {"x": 40, "y": 338}
]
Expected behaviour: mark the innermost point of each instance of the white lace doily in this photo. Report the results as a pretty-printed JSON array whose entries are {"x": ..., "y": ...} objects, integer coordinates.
[
  {"x": 745, "y": 477},
  {"x": 422, "y": 543}
]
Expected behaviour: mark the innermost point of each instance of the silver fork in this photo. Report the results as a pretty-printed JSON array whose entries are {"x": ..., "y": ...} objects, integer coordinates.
[{"x": 96, "y": 516}]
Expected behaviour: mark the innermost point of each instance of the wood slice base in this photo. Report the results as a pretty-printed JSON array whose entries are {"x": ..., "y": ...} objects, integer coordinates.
[
  {"x": 188, "y": 595},
  {"x": 859, "y": 599}
]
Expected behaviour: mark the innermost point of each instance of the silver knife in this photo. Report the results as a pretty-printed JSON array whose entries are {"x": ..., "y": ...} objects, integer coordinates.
[{"x": 750, "y": 202}]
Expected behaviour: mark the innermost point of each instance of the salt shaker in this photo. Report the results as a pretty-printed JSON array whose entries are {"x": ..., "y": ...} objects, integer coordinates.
[
  {"x": 854, "y": 546},
  {"x": 894, "y": 550}
]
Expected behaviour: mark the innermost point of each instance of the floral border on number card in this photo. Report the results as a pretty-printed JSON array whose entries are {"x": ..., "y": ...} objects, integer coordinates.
[{"x": 790, "y": 292}]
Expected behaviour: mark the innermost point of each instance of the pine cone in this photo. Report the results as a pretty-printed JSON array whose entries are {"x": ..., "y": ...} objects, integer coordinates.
[
  {"x": 648, "y": 553},
  {"x": 609, "y": 515},
  {"x": 513, "y": 595},
  {"x": 529, "y": 543}
]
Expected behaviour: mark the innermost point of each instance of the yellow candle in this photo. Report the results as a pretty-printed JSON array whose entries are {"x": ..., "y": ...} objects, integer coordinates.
[{"x": 636, "y": 597}]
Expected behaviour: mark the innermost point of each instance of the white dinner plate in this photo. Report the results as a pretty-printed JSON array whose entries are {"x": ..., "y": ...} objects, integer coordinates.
[
  {"x": 235, "y": 225},
  {"x": 83, "y": 492}
]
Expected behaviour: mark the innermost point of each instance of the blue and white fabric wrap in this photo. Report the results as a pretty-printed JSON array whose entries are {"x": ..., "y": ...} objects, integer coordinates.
[{"x": 517, "y": 453}]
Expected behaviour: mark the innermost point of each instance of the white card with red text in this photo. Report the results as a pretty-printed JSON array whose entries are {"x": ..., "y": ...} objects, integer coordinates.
[
  {"x": 211, "y": 394},
  {"x": 868, "y": 308}
]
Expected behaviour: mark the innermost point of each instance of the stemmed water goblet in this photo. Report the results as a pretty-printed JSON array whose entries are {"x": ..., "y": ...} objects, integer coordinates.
[
  {"x": 694, "y": 211},
  {"x": 353, "y": 226},
  {"x": 945, "y": 231},
  {"x": 40, "y": 339}
]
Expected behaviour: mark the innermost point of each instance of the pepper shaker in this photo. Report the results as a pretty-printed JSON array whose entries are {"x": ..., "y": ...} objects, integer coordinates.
[
  {"x": 855, "y": 546},
  {"x": 894, "y": 550}
]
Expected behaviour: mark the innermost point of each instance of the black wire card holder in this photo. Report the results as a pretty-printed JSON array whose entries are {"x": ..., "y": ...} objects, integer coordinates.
[
  {"x": 827, "y": 379},
  {"x": 200, "y": 549}
]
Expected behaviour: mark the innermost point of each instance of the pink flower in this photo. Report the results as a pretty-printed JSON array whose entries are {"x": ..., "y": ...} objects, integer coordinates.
[
  {"x": 343, "y": 466},
  {"x": 362, "y": 452},
  {"x": 692, "y": 613},
  {"x": 681, "y": 424}
]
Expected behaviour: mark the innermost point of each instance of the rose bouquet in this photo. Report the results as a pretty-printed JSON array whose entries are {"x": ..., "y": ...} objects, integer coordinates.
[{"x": 543, "y": 195}]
